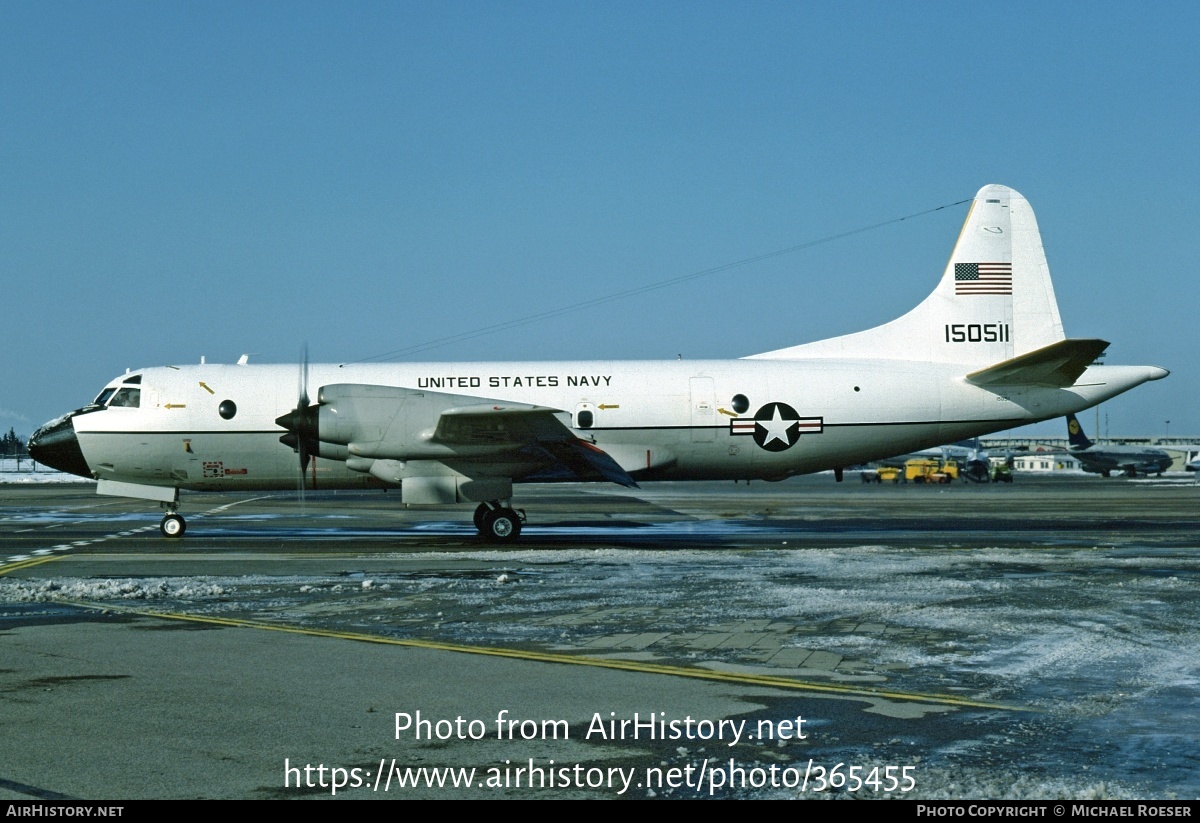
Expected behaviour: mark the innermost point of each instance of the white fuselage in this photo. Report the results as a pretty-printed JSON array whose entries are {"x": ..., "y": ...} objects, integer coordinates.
[{"x": 656, "y": 419}]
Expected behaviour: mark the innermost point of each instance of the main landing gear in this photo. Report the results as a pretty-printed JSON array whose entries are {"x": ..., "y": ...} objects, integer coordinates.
[
  {"x": 173, "y": 524},
  {"x": 498, "y": 523}
]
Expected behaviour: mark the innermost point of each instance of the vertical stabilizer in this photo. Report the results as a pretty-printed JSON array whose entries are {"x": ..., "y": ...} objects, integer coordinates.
[
  {"x": 1075, "y": 435},
  {"x": 995, "y": 300}
]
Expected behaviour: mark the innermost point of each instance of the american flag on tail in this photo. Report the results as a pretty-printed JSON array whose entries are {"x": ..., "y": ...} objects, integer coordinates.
[{"x": 983, "y": 278}]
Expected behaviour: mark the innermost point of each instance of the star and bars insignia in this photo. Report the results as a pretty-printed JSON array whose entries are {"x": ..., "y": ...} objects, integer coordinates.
[{"x": 776, "y": 426}]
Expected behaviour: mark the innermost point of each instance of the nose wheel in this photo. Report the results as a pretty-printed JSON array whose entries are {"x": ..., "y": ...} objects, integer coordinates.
[
  {"x": 498, "y": 523},
  {"x": 172, "y": 525}
]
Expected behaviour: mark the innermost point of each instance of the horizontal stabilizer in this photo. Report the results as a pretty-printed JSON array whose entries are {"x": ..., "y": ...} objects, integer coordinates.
[{"x": 1057, "y": 365}]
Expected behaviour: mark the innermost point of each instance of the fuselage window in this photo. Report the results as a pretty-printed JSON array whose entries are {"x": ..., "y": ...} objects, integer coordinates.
[
  {"x": 227, "y": 409},
  {"x": 740, "y": 403},
  {"x": 102, "y": 398},
  {"x": 127, "y": 398},
  {"x": 584, "y": 419}
]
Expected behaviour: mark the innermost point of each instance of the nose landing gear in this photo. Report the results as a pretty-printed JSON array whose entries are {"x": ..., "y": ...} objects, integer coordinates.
[{"x": 172, "y": 525}]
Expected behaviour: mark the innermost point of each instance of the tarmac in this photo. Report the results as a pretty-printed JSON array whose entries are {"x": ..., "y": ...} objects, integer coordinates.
[{"x": 681, "y": 640}]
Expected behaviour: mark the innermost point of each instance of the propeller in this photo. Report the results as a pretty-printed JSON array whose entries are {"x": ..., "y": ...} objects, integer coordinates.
[{"x": 301, "y": 422}]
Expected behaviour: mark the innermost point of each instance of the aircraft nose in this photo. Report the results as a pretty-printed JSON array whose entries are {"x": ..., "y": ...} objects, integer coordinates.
[{"x": 55, "y": 445}]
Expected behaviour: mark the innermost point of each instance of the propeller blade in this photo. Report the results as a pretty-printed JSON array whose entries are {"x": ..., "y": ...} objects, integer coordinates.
[
  {"x": 301, "y": 422},
  {"x": 303, "y": 377}
]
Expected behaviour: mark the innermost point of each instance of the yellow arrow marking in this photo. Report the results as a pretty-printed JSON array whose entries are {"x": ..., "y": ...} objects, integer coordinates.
[
  {"x": 175, "y": 406},
  {"x": 204, "y": 386},
  {"x": 727, "y": 411},
  {"x": 603, "y": 406}
]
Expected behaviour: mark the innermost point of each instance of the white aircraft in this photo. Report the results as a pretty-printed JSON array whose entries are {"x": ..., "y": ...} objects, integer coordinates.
[{"x": 984, "y": 352}]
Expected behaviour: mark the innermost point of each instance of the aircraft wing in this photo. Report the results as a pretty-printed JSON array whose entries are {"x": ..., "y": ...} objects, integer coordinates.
[
  {"x": 497, "y": 423},
  {"x": 470, "y": 433},
  {"x": 537, "y": 433},
  {"x": 1057, "y": 365}
]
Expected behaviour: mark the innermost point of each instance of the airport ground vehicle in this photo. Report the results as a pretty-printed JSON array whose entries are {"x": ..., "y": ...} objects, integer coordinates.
[
  {"x": 883, "y": 474},
  {"x": 931, "y": 471}
]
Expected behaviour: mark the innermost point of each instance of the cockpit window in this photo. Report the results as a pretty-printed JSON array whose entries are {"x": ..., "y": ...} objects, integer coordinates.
[
  {"x": 137, "y": 378},
  {"x": 129, "y": 398},
  {"x": 102, "y": 398}
]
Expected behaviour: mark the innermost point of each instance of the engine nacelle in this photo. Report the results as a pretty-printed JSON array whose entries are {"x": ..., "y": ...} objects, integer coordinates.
[
  {"x": 454, "y": 489},
  {"x": 388, "y": 422},
  {"x": 423, "y": 482}
]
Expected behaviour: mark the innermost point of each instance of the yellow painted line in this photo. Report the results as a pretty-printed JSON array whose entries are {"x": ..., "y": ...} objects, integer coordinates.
[
  {"x": 242, "y": 557},
  {"x": 638, "y": 666},
  {"x": 78, "y": 544},
  {"x": 31, "y": 562}
]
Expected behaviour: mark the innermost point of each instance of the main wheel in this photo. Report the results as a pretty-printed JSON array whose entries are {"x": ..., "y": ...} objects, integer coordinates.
[
  {"x": 480, "y": 513},
  {"x": 501, "y": 525},
  {"x": 172, "y": 525}
]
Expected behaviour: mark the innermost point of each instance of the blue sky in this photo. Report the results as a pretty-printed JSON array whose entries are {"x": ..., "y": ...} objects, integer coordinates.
[{"x": 202, "y": 178}]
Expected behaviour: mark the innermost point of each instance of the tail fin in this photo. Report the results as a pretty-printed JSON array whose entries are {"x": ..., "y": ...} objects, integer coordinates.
[
  {"x": 1075, "y": 435},
  {"x": 994, "y": 302}
]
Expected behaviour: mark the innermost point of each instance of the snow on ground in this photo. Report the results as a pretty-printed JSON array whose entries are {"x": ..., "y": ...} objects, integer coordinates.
[
  {"x": 1101, "y": 641},
  {"x": 70, "y": 589}
]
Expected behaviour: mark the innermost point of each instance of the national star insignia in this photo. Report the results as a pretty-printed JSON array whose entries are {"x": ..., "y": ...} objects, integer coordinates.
[{"x": 777, "y": 428}]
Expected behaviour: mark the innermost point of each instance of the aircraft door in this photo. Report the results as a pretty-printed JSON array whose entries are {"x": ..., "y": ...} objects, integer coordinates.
[{"x": 703, "y": 410}]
